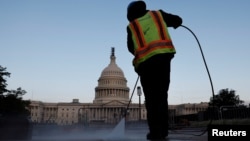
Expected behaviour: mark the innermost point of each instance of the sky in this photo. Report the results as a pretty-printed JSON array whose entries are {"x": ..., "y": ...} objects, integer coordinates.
[{"x": 57, "y": 49}]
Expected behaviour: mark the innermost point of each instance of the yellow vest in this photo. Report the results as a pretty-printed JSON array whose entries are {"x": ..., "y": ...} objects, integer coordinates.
[{"x": 150, "y": 37}]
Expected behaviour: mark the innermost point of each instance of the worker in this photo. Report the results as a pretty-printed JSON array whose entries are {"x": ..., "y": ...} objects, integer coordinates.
[{"x": 149, "y": 42}]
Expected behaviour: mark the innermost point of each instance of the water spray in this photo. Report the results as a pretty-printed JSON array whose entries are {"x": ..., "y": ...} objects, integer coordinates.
[{"x": 119, "y": 131}]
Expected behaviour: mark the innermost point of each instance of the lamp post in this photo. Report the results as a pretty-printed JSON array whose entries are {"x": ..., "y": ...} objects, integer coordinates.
[{"x": 139, "y": 94}]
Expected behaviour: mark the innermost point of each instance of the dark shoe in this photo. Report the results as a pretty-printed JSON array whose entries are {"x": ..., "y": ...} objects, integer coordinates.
[{"x": 165, "y": 134}]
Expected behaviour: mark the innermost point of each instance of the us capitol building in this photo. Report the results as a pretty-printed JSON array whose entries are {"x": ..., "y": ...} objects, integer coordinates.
[{"x": 109, "y": 105}]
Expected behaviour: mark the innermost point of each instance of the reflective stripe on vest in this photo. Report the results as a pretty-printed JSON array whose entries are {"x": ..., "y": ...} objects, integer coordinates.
[
  {"x": 145, "y": 49},
  {"x": 160, "y": 27}
]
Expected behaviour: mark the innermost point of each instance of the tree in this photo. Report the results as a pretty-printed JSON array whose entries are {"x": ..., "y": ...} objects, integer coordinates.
[
  {"x": 11, "y": 100},
  {"x": 225, "y": 97},
  {"x": 14, "y": 104},
  {"x": 3, "y": 80},
  {"x": 14, "y": 122}
]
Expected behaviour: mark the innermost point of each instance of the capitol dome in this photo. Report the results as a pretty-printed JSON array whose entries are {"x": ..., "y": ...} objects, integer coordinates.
[
  {"x": 112, "y": 69},
  {"x": 112, "y": 84}
]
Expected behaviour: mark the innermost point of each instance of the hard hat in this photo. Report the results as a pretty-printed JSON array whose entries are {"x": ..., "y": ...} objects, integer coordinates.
[
  {"x": 139, "y": 4},
  {"x": 135, "y": 9}
]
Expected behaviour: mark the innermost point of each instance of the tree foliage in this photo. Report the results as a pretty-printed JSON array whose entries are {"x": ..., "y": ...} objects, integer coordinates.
[
  {"x": 3, "y": 80},
  {"x": 11, "y": 101},
  {"x": 225, "y": 97}
]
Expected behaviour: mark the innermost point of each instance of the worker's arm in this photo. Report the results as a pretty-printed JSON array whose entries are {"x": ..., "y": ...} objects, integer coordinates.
[
  {"x": 171, "y": 20},
  {"x": 130, "y": 44}
]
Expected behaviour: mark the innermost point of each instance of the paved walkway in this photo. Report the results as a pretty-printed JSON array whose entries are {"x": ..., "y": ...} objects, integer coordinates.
[
  {"x": 131, "y": 134},
  {"x": 190, "y": 134}
]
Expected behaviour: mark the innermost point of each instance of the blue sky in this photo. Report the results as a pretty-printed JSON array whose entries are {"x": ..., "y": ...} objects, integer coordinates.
[{"x": 57, "y": 49}]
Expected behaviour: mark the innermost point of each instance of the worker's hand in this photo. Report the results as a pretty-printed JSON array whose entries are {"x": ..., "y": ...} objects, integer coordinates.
[{"x": 175, "y": 27}]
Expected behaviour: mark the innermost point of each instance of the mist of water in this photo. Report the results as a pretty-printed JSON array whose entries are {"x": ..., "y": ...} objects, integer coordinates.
[
  {"x": 118, "y": 132},
  {"x": 104, "y": 133}
]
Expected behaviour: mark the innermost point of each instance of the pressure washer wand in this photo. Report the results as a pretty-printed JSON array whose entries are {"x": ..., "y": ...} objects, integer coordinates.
[{"x": 126, "y": 111}]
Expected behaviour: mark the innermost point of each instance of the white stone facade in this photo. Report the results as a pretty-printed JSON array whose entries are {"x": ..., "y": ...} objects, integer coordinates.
[{"x": 110, "y": 103}]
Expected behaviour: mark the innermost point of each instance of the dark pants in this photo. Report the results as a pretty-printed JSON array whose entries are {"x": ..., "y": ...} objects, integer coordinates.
[{"x": 155, "y": 78}]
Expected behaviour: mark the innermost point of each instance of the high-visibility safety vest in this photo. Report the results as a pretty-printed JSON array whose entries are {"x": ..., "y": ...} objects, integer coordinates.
[{"x": 150, "y": 37}]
